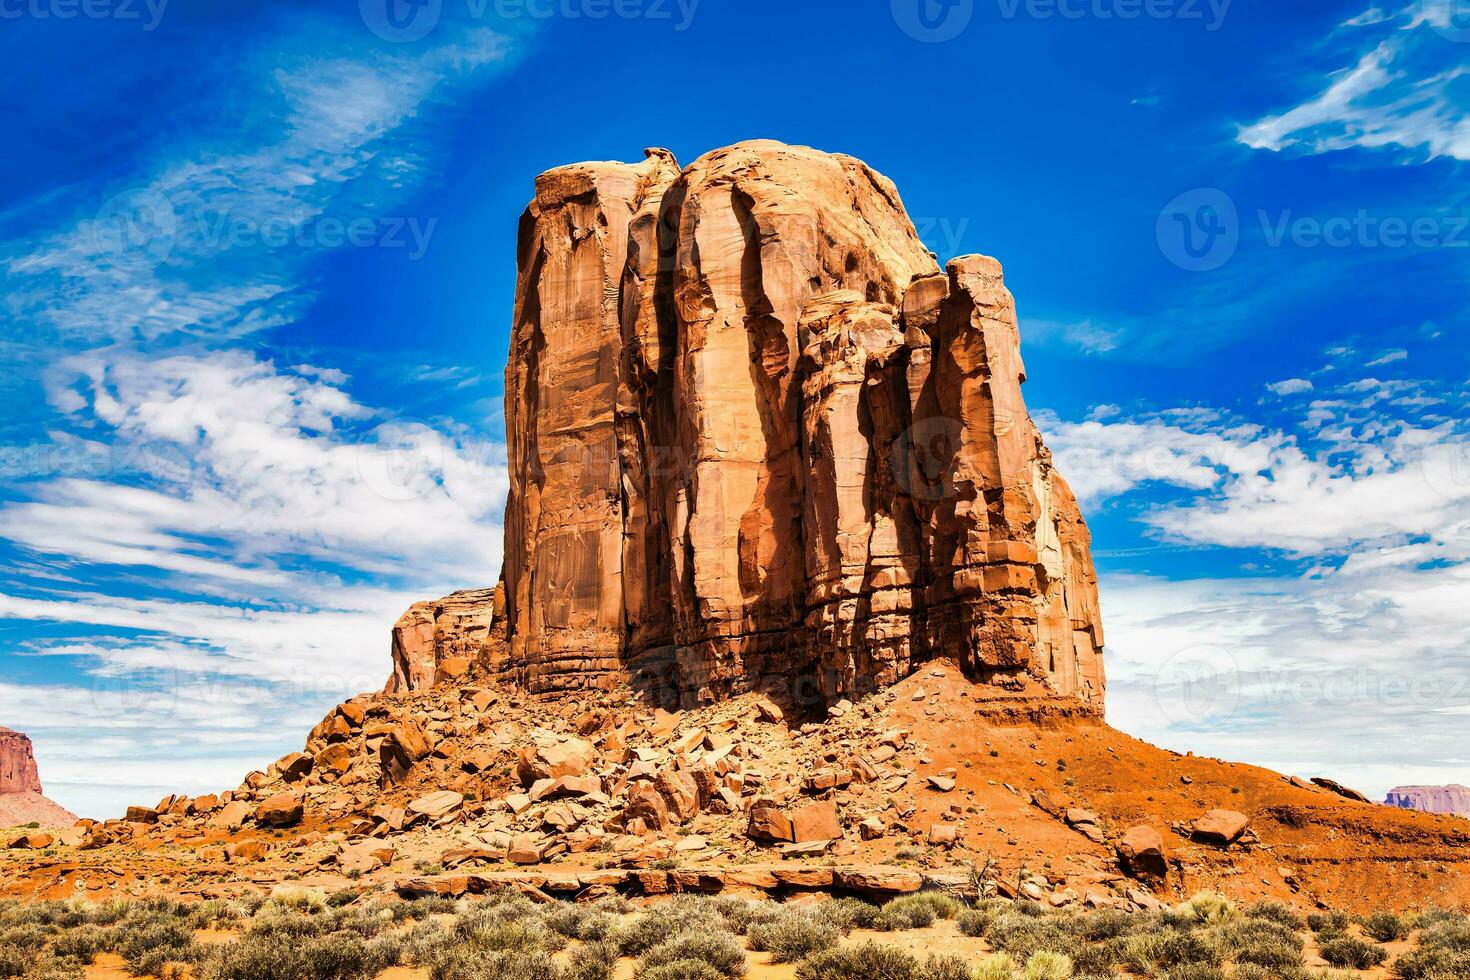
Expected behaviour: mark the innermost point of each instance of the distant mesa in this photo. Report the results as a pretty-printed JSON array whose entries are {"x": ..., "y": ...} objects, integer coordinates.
[
  {"x": 21, "y": 799},
  {"x": 1453, "y": 799}
]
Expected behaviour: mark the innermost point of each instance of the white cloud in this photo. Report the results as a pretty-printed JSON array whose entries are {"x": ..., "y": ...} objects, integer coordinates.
[
  {"x": 1389, "y": 357},
  {"x": 1291, "y": 386},
  {"x": 1084, "y": 336},
  {"x": 1405, "y": 92}
]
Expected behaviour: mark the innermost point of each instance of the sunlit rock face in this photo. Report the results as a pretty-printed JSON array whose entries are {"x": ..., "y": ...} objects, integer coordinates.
[{"x": 757, "y": 437}]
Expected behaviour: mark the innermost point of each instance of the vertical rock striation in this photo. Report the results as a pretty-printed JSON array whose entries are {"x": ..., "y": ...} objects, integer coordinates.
[
  {"x": 18, "y": 772},
  {"x": 758, "y": 437}
]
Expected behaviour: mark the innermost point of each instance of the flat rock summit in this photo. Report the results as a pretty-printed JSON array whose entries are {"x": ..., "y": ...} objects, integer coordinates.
[{"x": 758, "y": 439}]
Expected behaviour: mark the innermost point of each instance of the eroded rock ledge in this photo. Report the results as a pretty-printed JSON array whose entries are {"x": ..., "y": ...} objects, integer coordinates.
[{"x": 758, "y": 438}]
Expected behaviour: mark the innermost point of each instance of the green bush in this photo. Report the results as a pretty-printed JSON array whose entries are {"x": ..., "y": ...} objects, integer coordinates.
[
  {"x": 682, "y": 970},
  {"x": 1047, "y": 965},
  {"x": 1329, "y": 922},
  {"x": 1159, "y": 951},
  {"x": 917, "y": 911},
  {"x": 867, "y": 961},
  {"x": 1352, "y": 952},
  {"x": 591, "y": 961},
  {"x": 794, "y": 936},
  {"x": 848, "y": 914},
  {"x": 1276, "y": 912},
  {"x": 974, "y": 922},
  {"x": 1386, "y": 927},
  {"x": 720, "y": 949},
  {"x": 946, "y": 968},
  {"x": 1431, "y": 963}
]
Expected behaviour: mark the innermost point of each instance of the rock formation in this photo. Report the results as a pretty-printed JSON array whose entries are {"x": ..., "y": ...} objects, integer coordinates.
[
  {"x": 440, "y": 641},
  {"x": 1453, "y": 799},
  {"x": 758, "y": 438},
  {"x": 21, "y": 799},
  {"x": 17, "y": 764}
]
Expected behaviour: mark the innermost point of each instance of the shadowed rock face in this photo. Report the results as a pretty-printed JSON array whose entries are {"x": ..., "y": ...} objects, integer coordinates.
[
  {"x": 17, "y": 764},
  {"x": 1453, "y": 799},
  {"x": 756, "y": 435}
]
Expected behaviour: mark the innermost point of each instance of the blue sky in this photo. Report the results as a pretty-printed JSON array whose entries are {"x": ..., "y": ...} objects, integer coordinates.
[{"x": 258, "y": 262}]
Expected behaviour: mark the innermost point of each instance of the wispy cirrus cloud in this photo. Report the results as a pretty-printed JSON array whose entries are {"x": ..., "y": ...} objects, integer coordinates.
[{"x": 1410, "y": 90}]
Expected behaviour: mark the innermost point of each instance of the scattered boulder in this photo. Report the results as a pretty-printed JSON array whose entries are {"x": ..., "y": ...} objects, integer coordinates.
[
  {"x": 281, "y": 810},
  {"x": 1221, "y": 827},
  {"x": 1141, "y": 853}
]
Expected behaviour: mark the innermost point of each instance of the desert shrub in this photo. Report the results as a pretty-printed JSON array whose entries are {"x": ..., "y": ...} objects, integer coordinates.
[
  {"x": 1157, "y": 952},
  {"x": 579, "y": 922},
  {"x": 1103, "y": 924},
  {"x": 298, "y": 899},
  {"x": 917, "y": 911},
  {"x": 469, "y": 962},
  {"x": 148, "y": 948},
  {"x": 1434, "y": 916},
  {"x": 1023, "y": 936},
  {"x": 682, "y": 970},
  {"x": 1386, "y": 927},
  {"x": 1431, "y": 963},
  {"x": 1350, "y": 951},
  {"x": 666, "y": 920},
  {"x": 591, "y": 961},
  {"x": 974, "y": 922},
  {"x": 13, "y": 961},
  {"x": 720, "y": 949},
  {"x": 83, "y": 943},
  {"x": 1206, "y": 908},
  {"x": 1271, "y": 950},
  {"x": 1098, "y": 959},
  {"x": 1277, "y": 912},
  {"x": 740, "y": 915},
  {"x": 867, "y": 961},
  {"x": 794, "y": 936},
  {"x": 30, "y": 937},
  {"x": 1450, "y": 935},
  {"x": 996, "y": 966},
  {"x": 1047, "y": 965},
  {"x": 946, "y": 968},
  {"x": 1328, "y": 922},
  {"x": 1030, "y": 908},
  {"x": 1196, "y": 971},
  {"x": 848, "y": 914}
]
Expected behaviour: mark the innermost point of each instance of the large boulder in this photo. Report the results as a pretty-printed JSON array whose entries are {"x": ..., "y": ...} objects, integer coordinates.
[{"x": 281, "y": 810}]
